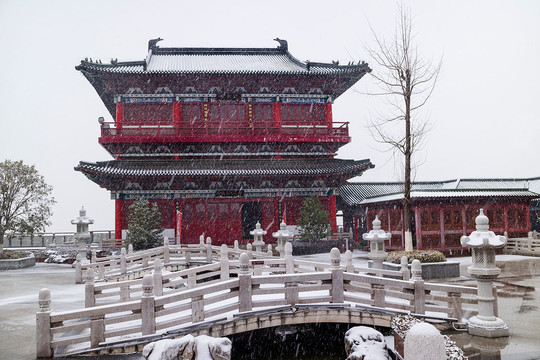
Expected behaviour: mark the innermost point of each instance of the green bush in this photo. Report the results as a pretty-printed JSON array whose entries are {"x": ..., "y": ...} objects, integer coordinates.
[{"x": 425, "y": 256}]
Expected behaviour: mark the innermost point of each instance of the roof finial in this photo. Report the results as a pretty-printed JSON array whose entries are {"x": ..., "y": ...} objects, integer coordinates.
[
  {"x": 152, "y": 44},
  {"x": 282, "y": 44}
]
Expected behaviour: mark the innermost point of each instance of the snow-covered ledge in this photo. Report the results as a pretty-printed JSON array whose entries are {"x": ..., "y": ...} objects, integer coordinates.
[{"x": 14, "y": 264}]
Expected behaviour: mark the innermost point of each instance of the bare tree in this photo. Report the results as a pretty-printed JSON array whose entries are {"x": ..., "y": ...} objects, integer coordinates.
[{"x": 406, "y": 82}]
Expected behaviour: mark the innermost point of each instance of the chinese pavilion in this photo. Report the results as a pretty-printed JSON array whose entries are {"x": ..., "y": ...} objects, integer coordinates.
[
  {"x": 221, "y": 138},
  {"x": 443, "y": 211}
]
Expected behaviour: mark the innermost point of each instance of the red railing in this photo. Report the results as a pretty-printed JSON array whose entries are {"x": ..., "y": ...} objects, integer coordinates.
[{"x": 230, "y": 128}]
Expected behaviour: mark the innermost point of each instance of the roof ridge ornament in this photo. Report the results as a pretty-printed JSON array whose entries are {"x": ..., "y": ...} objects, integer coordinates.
[
  {"x": 283, "y": 45},
  {"x": 152, "y": 44}
]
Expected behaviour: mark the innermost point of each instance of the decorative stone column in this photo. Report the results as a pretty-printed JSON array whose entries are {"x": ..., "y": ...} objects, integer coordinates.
[
  {"x": 483, "y": 244},
  {"x": 258, "y": 234},
  {"x": 83, "y": 235},
  {"x": 282, "y": 236},
  {"x": 376, "y": 238}
]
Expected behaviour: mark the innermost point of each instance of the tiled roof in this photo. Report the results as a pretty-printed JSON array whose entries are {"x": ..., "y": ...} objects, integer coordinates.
[
  {"x": 225, "y": 167},
  {"x": 356, "y": 193},
  {"x": 427, "y": 194},
  {"x": 222, "y": 61}
]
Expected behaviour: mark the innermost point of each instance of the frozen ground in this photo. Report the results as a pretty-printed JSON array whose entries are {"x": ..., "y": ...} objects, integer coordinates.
[{"x": 518, "y": 288}]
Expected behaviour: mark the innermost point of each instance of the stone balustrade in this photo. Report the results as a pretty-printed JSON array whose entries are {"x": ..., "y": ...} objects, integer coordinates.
[{"x": 253, "y": 288}]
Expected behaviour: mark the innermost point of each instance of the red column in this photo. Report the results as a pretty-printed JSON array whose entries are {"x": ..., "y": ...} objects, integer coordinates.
[
  {"x": 332, "y": 209},
  {"x": 118, "y": 218},
  {"x": 329, "y": 115},
  {"x": 119, "y": 114},
  {"x": 177, "y": 113},
  {"x": 277, "y": 114}
]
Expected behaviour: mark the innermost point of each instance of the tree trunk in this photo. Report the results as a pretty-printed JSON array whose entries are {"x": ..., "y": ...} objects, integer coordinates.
[{"x": 407, "y": 181}]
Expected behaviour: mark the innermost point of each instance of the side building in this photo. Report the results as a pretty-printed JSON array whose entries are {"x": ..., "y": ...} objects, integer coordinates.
[
  {"x": 221, "y": 138},
  {"x": 443, "y": 211}
]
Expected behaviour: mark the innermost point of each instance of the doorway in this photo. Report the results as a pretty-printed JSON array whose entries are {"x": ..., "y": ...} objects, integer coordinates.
[{"x": 251, "y": 213}]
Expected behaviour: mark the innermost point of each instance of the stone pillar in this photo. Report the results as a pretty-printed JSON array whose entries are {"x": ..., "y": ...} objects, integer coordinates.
[
  {"x": 249, "y": 250},
  {"x": 235, "y": 246},
  {"x": 258, "y": 234},
  {"x": 419, "y": 288},
  {"x": 269, "y": 251},
  {"x": 224, "y": 261},
  {"x": 424, "y": 342},
  {"x": 282, "y": 235},
  {"x": 289, "y": 261},
  {"x": 483, "y": 244},
  {"x": 208, "y": 250},
  {"x": 166, "y": 250},
  {"x": 157, "y": 277},
  {"x": 148, "y": 306},
  {"x": 405, "y": 273},
  {"x": 416, "y": 270},
  {"x": 336, "y": 291},
  {"x": 43, "y": 325},
  {"x": 376, "y": 238},
  {"x": 78, "y": 271},
  {"x": 93, "y": 259},
  {"x": 130, "y": 249},
  {"x": 89, "y": 299},
  {"x": 349, "y": 267},
  {"x": 123, "y": 264},
  {"x": 83, "y": 235},
  {"x": 245, "y": 289}
]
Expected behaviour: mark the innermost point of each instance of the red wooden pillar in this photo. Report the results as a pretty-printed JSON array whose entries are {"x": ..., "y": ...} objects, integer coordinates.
[
  {"x": 277, "y": 114},
  {"x": 442, "y": 227},
  {"x": 177, "y": 113},
  {"x": 119, "y": 114},
  {"x": 329, "y": 115},
  {"x": 118, "y": 218},
  {"x": 332, "y": 210}
]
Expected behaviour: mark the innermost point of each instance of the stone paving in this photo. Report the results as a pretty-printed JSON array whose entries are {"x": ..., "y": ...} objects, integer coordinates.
[{"x": 518, "y": 289}]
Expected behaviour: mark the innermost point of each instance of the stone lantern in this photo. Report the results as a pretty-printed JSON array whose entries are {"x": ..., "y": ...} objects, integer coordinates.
[
  {"x": 83, "y": 235},
  {"x": 376, "y": 238},
  {"x": 483, "y": 244},
  {"x": 282, "y": 236},
  {"x": 258, "y": 234}
]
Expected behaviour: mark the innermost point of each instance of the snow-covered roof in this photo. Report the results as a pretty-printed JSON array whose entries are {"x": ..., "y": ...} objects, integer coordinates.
[
  {"x": 304, "y": 167},
  {"x": 365, "y": 193},
  {"x": 223, "y": 61}
]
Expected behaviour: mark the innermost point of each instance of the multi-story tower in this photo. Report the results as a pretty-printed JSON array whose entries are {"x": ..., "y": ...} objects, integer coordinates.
[{"x": 226, "y": 137}]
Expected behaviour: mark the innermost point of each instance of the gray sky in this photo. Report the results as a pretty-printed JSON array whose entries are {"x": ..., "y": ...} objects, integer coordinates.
[{"x": 484, "y": 110}]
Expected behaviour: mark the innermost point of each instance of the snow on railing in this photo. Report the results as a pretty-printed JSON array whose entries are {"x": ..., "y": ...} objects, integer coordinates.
[{"x": 274, "y": 283}]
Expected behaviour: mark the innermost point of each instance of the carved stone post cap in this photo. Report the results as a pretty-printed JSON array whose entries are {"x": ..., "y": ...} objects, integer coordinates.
[
  {"x": 348, "y": 255},
  {"x": 288, "y": 249},
  {"x": 404, "y": 262},
  {"x": 44, "y": 300},
  {"x": 148, "y": 285},
  {"x": 376, "y": 223},
  {"x": 209, "y": 241},
  {"x": 335, "y": 257},
  {"x": 157, "y": 264},
  {"x": 78, "y": 257},
  {"x": 165, "y": 241},
  {"x": 244, "y": 263},
  {"x": 123, "y": 251},
  {"x": 249, "y": 247}
]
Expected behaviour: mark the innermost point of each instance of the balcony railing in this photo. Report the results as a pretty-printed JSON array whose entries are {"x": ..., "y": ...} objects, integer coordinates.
[{"x": 228, "y": 129}]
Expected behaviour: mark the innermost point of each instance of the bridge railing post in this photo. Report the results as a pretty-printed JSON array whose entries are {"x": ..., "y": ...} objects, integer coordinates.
[
  {"x": 97, "y": 330},
  {"x": 166, "y": 250},
  {"x": 89, "y": 297},
  {"x": 289, "y": 261},
  {"x": 43, "y": 325},
  {"x": 249, "y": 250},
  {"x": 157, "y": 277},
  {"x": 405, "y": 273},
  {"x": 378, "y": 295},
  {"x": 208, "y": 249},
  {"x": 224, "y": 262},
  {"x": 245, "y": 291},
  {"x": 456, "y": 303},
  {"x": 78, "y": 270},
  {"x": 336, "y": 291},
  {"x": 419, "y": 288},
  {"x": 349, "y": 267},
  {"x": 148, "y": 315},
  {"x": 291, "y": 293},
  {"x": 123, "y": 264}
]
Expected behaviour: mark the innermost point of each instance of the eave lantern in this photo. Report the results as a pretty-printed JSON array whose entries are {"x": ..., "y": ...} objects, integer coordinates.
[
  {"x": 483, "y": 244},
  {"x": 376, "y": 238}
]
